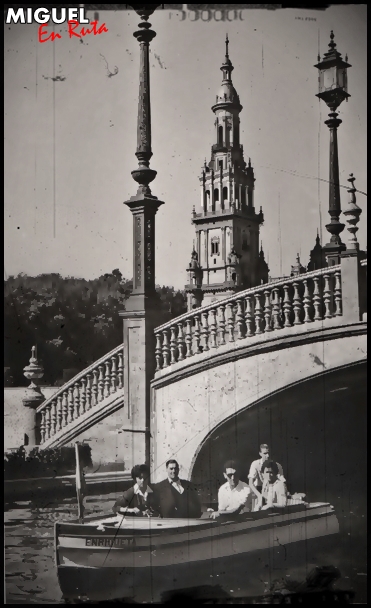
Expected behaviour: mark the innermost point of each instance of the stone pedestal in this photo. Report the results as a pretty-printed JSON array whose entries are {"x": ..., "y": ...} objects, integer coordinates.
[{"x": 32, "y": 399}]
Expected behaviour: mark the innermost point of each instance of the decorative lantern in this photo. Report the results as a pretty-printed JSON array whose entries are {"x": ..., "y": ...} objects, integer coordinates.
[{"x": 332, "y": 79}]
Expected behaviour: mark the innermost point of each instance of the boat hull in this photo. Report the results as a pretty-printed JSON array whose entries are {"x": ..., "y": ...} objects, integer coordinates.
[{"x": 144, "y": 559}]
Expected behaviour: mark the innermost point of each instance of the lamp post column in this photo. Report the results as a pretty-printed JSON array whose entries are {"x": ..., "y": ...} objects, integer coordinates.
[{"x": 140, "y": 316}]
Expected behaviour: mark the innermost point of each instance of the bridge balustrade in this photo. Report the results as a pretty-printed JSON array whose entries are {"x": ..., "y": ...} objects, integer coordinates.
[
  {"x": 81, "y": 394},
  {"x": 304, "y": 299}
]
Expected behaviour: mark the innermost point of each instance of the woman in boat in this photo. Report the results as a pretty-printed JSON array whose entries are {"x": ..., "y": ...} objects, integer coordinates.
[{"x": 138, "y": 500}]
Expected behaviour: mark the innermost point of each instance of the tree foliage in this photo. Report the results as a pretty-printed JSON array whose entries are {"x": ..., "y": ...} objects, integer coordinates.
[{"x": 73, "y": 322}]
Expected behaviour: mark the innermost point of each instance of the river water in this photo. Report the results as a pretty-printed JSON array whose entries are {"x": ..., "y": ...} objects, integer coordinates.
[{"x": 30, "y": 570}]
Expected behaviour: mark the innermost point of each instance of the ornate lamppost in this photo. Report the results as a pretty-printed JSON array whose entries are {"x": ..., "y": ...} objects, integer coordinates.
[
  {"x": 333, "y": 89},
  {"x": 141, "y": 313}
]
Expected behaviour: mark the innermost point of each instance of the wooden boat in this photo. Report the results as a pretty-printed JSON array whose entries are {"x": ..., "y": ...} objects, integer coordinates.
[{"x": 141, "y": 558}]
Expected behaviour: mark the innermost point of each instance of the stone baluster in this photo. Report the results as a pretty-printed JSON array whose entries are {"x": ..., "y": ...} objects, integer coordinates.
[
  {"x": 83, "y": 396},
  {"x": 95, "y": 387},
  {"x": 65, "y": 407},
  {"x": 77, "y": 399},
  {"x": 240, "y": 319},
  {"x": 158, "y": 351},
  {"x": 205, "y": 331},
  {"x": 317, "y": 299},
  {"x": 113, "y": 374},
  {"x": 307, "y": 301},
  {"x": 71, "y": 411},
  {"x": 180, "y": 342},
  {"x": 89, "y": 378},
  {"x": 222, "y": 324},
  {"x": 287, "y": 306},
  {"x": 166, "y": 348},
  {"x": 249, "y": 316},
  {"x": 267, "y": 310},
  {"x": 43, "y": 426},
  {"x": 173, "y": 346},
  {"x": 230, "y": 321},
  {"x": 337, "y": 294},
  {"x": 120, "y": 370},
  {"x": 47, "y": 423},
  {"x": 101, "y": 383},
  {"x": 107, "y": 379},
  {"x": 327, "y": 296},
  {"x": 197, "y": 333},
  {"x": 59, "y": 413},
  {"x": 297, "y": 303},
  {"x": 188, "y": 338},
  {"x": 53, "y": 417},
  {"x": 258, "y": 314},
  {"x": 213, "y": 328},
  {"x": 276, "y": 309}
]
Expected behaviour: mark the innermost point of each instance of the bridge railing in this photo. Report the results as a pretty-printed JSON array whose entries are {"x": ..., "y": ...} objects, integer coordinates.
[
  {"x": 303, "y": 299},
  {"x": 82, "y": 393}
]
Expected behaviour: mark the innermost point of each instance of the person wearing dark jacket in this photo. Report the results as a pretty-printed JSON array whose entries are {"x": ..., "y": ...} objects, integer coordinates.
[
  {"x": 140, "y": 499},
  {"x": 176, "y": 497}
]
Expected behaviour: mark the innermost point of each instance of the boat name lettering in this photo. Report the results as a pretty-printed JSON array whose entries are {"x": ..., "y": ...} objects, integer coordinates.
[{"x": 109, "y": 542}]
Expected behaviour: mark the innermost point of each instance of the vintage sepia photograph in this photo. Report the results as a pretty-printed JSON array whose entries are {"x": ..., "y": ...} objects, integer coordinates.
[{"x": 185, "y": 288}]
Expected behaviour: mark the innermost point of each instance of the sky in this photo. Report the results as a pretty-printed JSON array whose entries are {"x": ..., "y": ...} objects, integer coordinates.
[{"x": 70, "y": 143}]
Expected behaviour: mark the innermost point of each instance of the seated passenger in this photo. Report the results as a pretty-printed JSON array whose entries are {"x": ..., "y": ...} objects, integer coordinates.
[
  {"x": 138, "y": 500},
  {"x": 177, "y": 497},
  {"x": 274, "y": 491},
  {"x": 234, "y": 496},
  {"x": 255, "y": 476}
]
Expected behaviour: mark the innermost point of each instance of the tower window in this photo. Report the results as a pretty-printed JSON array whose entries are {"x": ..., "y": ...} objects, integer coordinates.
[
  {"x": 215, "y": 247},
  {"x": 220, "y": 164},
  {"x": 225, "y": 193},
  {"x": 220, "y": 135},
  {"x": 216, "y": 194},
  {"x": 207, "y": 194}
]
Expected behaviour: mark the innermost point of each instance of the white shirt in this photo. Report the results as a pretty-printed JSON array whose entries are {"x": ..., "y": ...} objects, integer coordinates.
[
  {"x": 177, "y": 485},
  {"x": 232, "y": 499},
  {"x": 275, "y": 493},
  {"x": 255, "y": 472},
  {"x": 137, "y": 490}
]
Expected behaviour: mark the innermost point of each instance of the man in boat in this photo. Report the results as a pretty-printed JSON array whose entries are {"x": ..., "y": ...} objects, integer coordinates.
[
  {"x": 176, "y": 497},
  {"x": 140, "y": 499},
  {"x": 255, "y": 476},
  {"x": 234, "y": 496}
]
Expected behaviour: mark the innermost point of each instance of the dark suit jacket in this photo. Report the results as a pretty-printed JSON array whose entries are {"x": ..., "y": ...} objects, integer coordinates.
[
  {"x": 130, "y": 499},
  {"x": 172, "y": 504}
]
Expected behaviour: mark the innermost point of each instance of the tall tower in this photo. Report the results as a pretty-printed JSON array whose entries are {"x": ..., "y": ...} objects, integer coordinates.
[{"x": 227, "y": 225}]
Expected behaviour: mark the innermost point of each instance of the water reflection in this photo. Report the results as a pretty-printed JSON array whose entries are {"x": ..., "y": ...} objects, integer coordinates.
[{"x": 31, "y": 576}]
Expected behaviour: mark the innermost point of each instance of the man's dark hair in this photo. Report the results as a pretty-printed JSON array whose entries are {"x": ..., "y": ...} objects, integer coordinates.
[
  {"x": 138, "y": 470},
  {"x": 263, "y": 445},
  {"x": 270, "y": 464},
  {"x": 232, "y": 464},
  {"x": 172, "y": 461}
]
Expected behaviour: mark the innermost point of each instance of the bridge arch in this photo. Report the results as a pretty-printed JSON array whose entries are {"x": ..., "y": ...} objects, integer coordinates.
[
  {"x": 315, "y": 429},
  {"x": 192, "y": 398}
]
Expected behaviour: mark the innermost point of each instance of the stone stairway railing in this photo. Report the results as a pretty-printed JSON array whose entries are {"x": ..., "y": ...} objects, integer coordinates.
[
  {"x": 304, "y": 299},
  {"x": 81, "y": 398}
]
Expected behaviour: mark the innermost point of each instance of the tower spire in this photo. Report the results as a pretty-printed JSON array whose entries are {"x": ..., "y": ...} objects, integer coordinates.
[{"x": 226, "y": 47}]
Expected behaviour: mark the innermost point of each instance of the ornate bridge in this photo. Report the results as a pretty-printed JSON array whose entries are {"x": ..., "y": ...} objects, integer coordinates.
[{"x": 217, "y": 360}]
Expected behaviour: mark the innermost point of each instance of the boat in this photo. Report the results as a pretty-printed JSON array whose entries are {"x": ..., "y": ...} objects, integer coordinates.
[{"x": 141, "y": 558}]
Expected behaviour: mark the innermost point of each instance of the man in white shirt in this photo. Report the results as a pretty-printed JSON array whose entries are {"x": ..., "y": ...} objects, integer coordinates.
[
  {"x": 256, "y": 478},
  {"x": 234, "y": 495}
]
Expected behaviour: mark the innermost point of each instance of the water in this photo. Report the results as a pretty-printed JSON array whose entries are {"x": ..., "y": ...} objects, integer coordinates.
[{"x": 31, "y": 576}]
